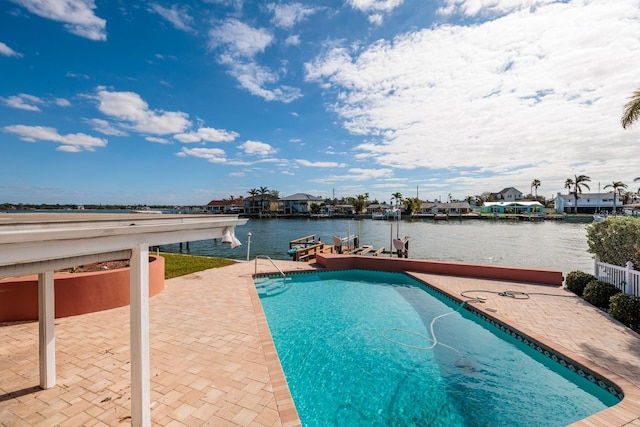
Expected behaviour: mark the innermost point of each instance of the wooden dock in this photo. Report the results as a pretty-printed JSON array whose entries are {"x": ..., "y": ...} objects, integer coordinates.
[{"x": 305, "y": 248}]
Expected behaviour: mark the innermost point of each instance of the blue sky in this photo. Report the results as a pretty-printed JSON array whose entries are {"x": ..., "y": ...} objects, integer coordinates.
[{"x": 153, "y": 102}]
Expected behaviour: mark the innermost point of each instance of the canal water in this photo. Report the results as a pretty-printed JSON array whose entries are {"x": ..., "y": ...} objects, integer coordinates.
[{"x": 557, "y": 245}]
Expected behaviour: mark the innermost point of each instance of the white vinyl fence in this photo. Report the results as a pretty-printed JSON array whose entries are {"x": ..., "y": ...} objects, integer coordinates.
[{"x": 624, "y": 278}]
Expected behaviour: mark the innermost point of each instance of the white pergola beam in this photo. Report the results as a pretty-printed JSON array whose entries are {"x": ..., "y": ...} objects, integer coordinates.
[
  {"x": 14, "y": 270},
  {"x": 86, "y": 242}
]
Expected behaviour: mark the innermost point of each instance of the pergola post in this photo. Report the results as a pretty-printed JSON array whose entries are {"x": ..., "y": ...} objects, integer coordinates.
[
  {"x": 139, "y": 324},
  {"x": 46, "y": 332}
]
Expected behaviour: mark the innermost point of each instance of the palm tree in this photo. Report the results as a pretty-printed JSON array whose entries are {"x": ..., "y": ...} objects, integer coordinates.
[
  {"x": 254, "y": 193},
  {"x": 617, "y": 187},
  {"x": 627, "y": 196},
  {"x": 568, "y": 184},
  {"x": 263, "y": 192},
  {"x": 579, "y": 181},
  {"x": 359, "y": 203},
  {"x": 635, "y": 180},
  {"x": 631, "y": 110},
  {"x": 534, "y": 185}
]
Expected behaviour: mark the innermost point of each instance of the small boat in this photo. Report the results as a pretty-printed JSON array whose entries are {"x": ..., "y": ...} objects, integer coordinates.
[
  {"x": 599, "y": 217},
  {"x": 146, "y": 210}
]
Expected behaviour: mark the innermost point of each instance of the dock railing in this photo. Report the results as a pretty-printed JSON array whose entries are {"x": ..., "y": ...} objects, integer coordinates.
[
  {"x": 305, "y": 248},
  {"x": 626, "y": 278}
]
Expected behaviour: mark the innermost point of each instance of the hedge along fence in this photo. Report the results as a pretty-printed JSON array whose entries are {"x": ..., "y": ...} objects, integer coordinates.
[{"x": 615, "y": 242}]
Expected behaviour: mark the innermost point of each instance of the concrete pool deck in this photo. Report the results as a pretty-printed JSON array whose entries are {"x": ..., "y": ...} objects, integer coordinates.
[{"x": 213, "y": 361}]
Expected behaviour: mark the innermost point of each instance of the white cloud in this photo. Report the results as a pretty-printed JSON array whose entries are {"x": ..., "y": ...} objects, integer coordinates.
[
  {"x": 72, "y": 142},
  {"x": 375, "y": 5},
  {"x": 288, "y": 15},
  {"x": 133, "y": 113},
  {"x": 489, "y": 7},
  {"x": 308, "y": 163},
  {"x": 257, "y": 148},
  {"x": 239, "y": 38},
  {"x": 205, "y": 134},
  {"x": 61, "y": 102},
  {"x": 178, "y": 16},
  {"x": 255, "y": 78},
  {"x": 375, "y": 19},
  {"x": 239, "y": 44},
  {"x": 292, "y": 40},
  {"x": 213, "y": 155},
  {"x": 492, "y": 101},
  {"x": 356, "y": 174},
  {"x": 7, "y": 51},
  {"x": 76, "y": 15},
  {"x": 24, "y": 101},
  {"x": 105, "y": 127},
  {"x": 157, "y": 140}
]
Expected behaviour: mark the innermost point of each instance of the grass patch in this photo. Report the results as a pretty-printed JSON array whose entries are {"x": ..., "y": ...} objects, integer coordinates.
[{"x": 176, "y": 265}]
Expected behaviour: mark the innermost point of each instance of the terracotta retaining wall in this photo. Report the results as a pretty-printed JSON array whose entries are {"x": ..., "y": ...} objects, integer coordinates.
[
  {"x": 531, "y": 275},
  {"x": 75, "y": 293}
]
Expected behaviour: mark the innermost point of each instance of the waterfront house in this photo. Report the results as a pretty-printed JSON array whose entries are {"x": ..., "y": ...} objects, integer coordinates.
[
  {"x": 299, "y": 203},
  {"x": 438, "y": 208},
  {"x": 508, "y": 194},
  {"x": 587, "y": 202},
  {"x": 230, "y": 206},
  {"x": 377, "y": 208},
  {"x": 520, "y": 207},
  {"x": 344, "y": 210},
  {"x": 261, "y": 204}
]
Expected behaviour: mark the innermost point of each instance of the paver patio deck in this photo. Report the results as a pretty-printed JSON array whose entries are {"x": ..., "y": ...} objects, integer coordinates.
[{"x": 213, "y": 361}]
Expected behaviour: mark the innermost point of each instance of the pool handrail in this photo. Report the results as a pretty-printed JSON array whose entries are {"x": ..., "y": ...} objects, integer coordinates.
[{"x": 284, "y": 276}]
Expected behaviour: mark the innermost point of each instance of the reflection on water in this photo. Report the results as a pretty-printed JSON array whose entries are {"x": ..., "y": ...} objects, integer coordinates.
[{"x": 557, "y": 245}]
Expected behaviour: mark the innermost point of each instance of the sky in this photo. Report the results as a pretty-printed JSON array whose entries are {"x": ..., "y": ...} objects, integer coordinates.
[{"x": 181, "y": 103}]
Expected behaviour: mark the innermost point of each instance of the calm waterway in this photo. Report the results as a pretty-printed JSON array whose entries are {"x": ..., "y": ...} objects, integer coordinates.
[{"x": 557, "y": 245}]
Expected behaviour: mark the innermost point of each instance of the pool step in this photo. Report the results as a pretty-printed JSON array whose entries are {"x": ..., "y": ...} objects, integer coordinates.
[{"x": 269, "y": 287}]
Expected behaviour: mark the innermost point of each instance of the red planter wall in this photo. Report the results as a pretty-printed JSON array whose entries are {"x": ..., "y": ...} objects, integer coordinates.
[
  {"x": 531, "y": 275},
  {"x": 75, "y": 293}
]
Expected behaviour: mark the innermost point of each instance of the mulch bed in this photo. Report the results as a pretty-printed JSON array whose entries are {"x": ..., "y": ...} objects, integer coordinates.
[{"x": 98, "y": 266}]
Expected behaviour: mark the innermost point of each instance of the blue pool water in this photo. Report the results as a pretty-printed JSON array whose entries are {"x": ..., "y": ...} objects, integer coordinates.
[{"x": 354, "y": 346}]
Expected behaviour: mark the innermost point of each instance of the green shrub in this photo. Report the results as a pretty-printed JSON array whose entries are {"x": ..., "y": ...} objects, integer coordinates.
[
  {"x": 615, "y": 240},
  {"x": 577, "y": 280},
  {"x": 599, "y": 293},
  {"x": 625, "y": 308}
]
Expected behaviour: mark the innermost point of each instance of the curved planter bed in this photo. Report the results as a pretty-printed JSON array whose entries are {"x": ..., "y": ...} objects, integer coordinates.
[{"x": 75, "y": 293}]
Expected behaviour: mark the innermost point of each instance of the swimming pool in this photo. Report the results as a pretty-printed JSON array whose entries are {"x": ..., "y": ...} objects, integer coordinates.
[{"x": 357, "y": 348}]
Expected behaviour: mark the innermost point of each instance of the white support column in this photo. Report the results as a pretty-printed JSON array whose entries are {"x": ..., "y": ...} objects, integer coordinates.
[
  {"x": 139, "y": 315},
  {"x": 47, "y": 337}
]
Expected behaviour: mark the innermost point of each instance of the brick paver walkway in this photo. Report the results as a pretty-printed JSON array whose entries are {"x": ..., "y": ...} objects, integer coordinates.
[{"x": 213, "y": 361}]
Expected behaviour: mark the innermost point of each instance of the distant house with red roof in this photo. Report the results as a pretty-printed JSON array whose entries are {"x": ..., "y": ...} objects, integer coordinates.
[{"x": 226, "y": 206}]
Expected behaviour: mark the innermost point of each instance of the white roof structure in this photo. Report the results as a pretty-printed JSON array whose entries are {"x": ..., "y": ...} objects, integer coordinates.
[
  {"x": 41, "y": 243},
  {"x": 518, "y": 203}
]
